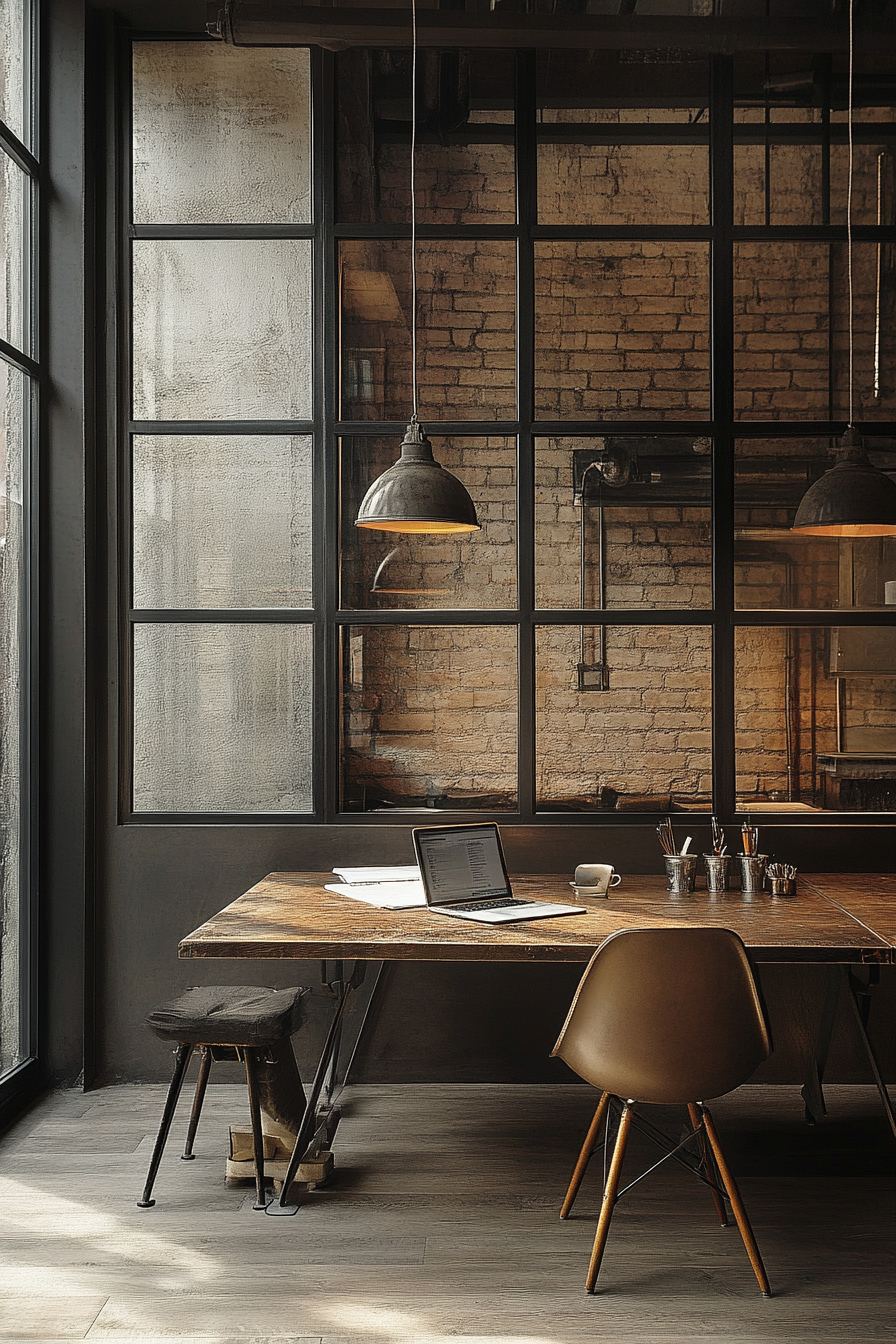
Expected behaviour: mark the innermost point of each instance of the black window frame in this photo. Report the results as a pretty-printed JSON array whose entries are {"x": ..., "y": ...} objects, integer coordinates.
[
  {"x": 326, "y": 616},
  {"x": 21, "y": 1081}
]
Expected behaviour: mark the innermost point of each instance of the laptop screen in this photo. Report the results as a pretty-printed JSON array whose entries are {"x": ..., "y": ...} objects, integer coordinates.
[{"x": 461, "y": 863}]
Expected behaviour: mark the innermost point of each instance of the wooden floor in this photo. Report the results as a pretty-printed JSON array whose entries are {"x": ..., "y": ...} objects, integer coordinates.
[{"x": 442, "y": 1226}]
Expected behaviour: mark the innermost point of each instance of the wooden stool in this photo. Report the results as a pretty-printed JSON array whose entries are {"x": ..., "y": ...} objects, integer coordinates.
[{"x": 232, "y": 1022}]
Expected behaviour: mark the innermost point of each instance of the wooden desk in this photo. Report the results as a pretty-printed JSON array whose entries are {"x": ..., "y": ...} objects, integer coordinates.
[
  {"x": 869, "y": 897},
  {"x": 290, "y": 915},
  {"x": 832, "y": 920}
]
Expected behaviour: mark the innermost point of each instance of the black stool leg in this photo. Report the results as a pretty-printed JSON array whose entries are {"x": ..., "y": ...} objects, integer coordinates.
[
  {"x": 205, "y": 1068},
  {"x": 257, "y": 1136},
  {"x": 184, "y": 1051}
]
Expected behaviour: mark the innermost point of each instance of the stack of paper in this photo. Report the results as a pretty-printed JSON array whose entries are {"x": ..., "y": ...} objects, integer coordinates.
[{"x": 396, "y": 888}]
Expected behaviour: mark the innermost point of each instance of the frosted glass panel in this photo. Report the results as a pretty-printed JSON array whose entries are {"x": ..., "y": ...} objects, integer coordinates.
[
  {"x": 222, "y": 718},
  {"x": 222, "y": 521},
  {"x": 221, "y": 134},
  {"x": 222, "y": 329},
  {"x": 13, "y": 186},
  {"x": 12, "y": 66},
  {"x": 13, "y": 390}
]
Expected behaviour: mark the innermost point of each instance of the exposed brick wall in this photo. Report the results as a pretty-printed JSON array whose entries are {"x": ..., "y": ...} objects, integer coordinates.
[
  {"x": 649, "y": 734},
  {"x": 622, "y": 331},
  {"x": 431, "y": 711},
  {"x": 761, "y": 660},
  {"x": 465, "y": 328},
  {"x": 623, "y": 184}
]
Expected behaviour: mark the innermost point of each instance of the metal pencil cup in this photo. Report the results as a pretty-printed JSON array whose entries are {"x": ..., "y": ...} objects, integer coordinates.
[
  {"x": 783, "y": 886},
  {"x": 717, "y": 869},
  {"x": 681, "y": 872},
  {"x": 752, "y": 871}
]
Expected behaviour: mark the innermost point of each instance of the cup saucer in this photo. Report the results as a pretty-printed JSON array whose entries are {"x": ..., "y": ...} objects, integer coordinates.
[{"x": 599, "y": 893}]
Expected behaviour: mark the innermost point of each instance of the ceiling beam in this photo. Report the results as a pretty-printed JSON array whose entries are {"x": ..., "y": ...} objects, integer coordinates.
[{"x": 268, "y": 23}]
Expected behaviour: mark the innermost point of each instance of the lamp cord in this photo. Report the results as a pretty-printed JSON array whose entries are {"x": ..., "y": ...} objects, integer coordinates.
[
  {"x": 849, "y": 208},
  {"x": 414, "y": 209}
]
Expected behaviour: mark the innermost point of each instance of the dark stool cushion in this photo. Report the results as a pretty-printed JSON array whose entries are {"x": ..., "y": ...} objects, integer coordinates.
[{"x": 229, "y": 1015}]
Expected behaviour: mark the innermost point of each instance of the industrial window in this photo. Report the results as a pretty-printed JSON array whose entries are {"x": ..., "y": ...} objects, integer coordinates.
[
  {"x": 19, "y": 372},
  {"x": 631, "y": 349}
]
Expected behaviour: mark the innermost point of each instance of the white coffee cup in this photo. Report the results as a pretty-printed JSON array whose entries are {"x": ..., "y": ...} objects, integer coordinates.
[{"x": 595, "y": 879}]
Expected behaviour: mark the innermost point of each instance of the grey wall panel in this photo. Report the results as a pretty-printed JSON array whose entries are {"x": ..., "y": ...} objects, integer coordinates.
[{"x": 65, "y": 734}]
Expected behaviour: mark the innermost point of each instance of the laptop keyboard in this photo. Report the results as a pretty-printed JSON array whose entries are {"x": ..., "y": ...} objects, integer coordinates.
[{"x": 503, "y": 904}]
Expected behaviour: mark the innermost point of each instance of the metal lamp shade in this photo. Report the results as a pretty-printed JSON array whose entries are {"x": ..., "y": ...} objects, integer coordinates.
[
  {"x": 416, "y": 494},
  {"x": 852, "y": 499}
]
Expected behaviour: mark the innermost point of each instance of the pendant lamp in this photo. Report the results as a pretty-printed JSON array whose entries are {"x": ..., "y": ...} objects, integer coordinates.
[
  {"x": 853, "y": 498},
  {"x": 416, "y": 494}
]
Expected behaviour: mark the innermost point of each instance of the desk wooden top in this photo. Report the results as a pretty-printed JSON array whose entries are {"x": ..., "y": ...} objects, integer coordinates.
[
  {"x": 869, "y": 897},
  {"x": 290, "y": 915}
]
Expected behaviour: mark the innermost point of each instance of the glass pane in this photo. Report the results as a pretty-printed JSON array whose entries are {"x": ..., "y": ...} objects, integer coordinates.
[
  {"x": 470, "y": 570},
  {"x": 222, "y": 522},
  {"x": 222, "y": 329},
  {"x": 647, "y": 522},
  {"x": 792, "y": 331},
  {"x": 873, "y": 185},
  {"x": 623, "y": 718},
  {"x": 13, "y": 390},
  {"x": 465, "y": 155},
  {"x": 815, "y": 716},
  {"x": 222, "y": 718},
  {"x": 12, "y": 66},
  {"x": 793, "y": 175},
  {"x": 629, "y": 85},
  {"x": 775, "y": 567},
  {"x": 466, "y": 301},
  {"x": 781, "y": 359},
  {"x": 622, "y": 184},
  {"x": 429, "y": 718},
  {"x": 14, "y": 186},
  {"x": 221, "y": 134},
  {"x": 622, "y": 330}
]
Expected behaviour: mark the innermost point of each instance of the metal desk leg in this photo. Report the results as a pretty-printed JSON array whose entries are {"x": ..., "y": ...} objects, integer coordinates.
[
  {"x": 319, "y": 1122},
  {"x": 859, "y": 996},
  {"x": 811, "y": 1092}
]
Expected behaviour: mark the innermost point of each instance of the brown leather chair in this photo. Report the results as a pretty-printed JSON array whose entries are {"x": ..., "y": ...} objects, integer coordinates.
[{"x": 666, "y": 1016}]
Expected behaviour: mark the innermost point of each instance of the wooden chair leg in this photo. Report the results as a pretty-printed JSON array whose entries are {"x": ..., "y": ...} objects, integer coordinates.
[
  {"x": 205, "y": 1068},
  {"x": 737, "y": 1204},
  {"x": 606, "y": 1209},
  {"x": 585, "y": 1154},
  {"x": 708, "y": 1165}
]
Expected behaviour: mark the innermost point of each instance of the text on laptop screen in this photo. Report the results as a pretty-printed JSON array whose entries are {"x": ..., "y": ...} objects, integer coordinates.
[{"x": 462, "y": 865}]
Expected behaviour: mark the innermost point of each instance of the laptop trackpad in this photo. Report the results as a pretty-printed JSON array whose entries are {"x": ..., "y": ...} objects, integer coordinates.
[{"x": 511, "y": 915}]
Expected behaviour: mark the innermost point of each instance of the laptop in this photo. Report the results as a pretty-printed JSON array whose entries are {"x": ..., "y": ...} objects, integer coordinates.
[{"x": 464, "y": 875}]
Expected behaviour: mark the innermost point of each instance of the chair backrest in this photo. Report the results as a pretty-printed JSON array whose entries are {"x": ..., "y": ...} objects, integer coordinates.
[{"x": 666, "y": 1015}]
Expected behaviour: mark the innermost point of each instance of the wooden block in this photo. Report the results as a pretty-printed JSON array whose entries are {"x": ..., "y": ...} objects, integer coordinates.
[
  {"x": 315, "y": 1171},
  {"x": 242, "y": 1145}
]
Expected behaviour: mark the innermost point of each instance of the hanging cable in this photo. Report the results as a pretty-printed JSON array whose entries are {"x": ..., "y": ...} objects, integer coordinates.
[
  {"x": 849, "y": 208},
  {"x": 414, "y": 210}
]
